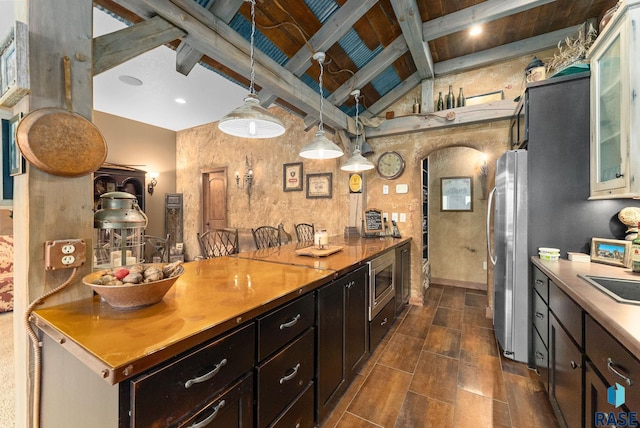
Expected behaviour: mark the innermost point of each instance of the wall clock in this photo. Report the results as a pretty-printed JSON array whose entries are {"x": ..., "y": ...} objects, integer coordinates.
[{"x": 390, "y": 165}]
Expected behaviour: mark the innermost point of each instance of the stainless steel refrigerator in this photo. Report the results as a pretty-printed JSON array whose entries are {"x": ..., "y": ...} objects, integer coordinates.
[{"x": 510, "y": 254}]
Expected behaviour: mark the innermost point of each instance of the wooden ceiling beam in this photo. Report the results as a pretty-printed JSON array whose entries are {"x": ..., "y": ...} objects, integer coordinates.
[
  {"x": 487, "y": 11},
  {"x": 408, "y": 16},
  {"x": 111, "y": 50}
]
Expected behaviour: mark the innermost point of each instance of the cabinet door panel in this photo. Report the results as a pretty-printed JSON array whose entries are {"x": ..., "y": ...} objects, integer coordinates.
[{"x": 356, "y": 322}]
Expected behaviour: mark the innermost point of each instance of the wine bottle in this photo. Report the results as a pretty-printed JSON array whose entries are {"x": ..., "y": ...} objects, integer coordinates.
[
  {"x": 461, "y": 100},
  {"x": 440, "y": 103},
  {"x": 451, "y": 101},
  {"x": 635, "y": 253}
]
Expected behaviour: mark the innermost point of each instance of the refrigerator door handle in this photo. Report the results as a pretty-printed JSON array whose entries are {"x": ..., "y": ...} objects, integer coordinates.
[{"x": 491, "y": 251}]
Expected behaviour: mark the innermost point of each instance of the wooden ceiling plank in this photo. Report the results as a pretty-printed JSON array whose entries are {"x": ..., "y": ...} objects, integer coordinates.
[
  {"x": 186, "y": 56},
  {"x": 367, "y": 73},
  {"x": 505, "y": 52},
  {"x": 489, "y": 10},
  {"x": 120, "y": 46},
  {"x": 218, "y": 41},
  {"x": 409, "y": 18}
]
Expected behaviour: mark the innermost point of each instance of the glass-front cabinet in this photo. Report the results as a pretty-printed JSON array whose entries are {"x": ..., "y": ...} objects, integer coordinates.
[{"x": 615, "y": 92}]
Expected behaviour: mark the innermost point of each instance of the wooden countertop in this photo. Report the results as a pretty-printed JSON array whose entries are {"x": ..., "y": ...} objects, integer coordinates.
[
  {"x": 211, "y": 297},
  {"x": 620, "y": 319}
]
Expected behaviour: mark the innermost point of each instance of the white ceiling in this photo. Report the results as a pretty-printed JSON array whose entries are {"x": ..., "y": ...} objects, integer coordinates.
[{"x": 208, "y": 96}]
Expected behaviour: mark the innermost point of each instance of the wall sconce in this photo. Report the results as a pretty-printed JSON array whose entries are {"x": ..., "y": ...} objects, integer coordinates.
[
  {"x": 247, "y": 178},
  {"x": 154, "y": 181}
]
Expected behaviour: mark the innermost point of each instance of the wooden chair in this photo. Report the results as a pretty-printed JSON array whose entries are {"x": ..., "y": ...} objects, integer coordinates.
[
  {"x": 218, "y": 242},
  {"x": 266, "y": 237},
  {"x": 304, "y": 232},
  {"x": 156, "y": 249}
]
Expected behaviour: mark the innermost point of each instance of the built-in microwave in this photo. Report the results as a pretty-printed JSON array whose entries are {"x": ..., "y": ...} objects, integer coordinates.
[
  {"x": 381, "y": 282},
  {"x": 520, "y": 124}
]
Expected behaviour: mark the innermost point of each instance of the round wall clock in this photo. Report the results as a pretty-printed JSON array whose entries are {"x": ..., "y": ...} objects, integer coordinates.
[{"x": 390, "y": 165}]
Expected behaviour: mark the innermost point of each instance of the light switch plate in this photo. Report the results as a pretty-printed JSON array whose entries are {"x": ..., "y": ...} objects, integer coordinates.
[
  {"x": 403, "y": 217},
  {"x": 402, "y": 188},
  {"x": 385, "y": 189},
  {"x": 394, "y": 217}
]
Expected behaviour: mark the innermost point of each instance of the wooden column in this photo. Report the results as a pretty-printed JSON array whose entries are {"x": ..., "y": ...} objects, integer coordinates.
[{"x": 48, "y": 207}]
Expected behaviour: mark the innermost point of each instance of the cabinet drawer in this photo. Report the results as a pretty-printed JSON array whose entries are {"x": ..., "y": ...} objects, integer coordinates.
[
  {"x": 300, "y": 413},
  {"x": 541, "y": 318},
  {"x": 541, "y": 284},
  {"x": 283, "y": 376},
  {"x": 282, "y": 325},
  {"x": 609, "y": 356},
  {"x": 541, "y": 355},
  {"x": 568, "y": 313},
  {"x": 167, "y": 394},
  {"x": 232, "y": 408},
  {"x": 380, "y": 325}
]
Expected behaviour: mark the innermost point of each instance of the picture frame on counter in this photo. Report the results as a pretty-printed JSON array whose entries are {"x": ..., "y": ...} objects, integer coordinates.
[
  {"x": 14, "y": 65},
  {"x": 456, "y": 194},
  {"x": 615, "y": 252},
  {"x": 292, "y": 177},
  {"x": 320, "y": 185}
]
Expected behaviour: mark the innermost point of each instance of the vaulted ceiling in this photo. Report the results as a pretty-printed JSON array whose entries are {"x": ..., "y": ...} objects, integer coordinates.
[{"x": 385, "y": 48}]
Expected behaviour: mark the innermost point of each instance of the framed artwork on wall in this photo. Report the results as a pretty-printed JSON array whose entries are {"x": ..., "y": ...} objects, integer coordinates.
[
  {"x": 319, "y": 185},
  {"x": 14, "y": 69},
  {"x": 292, "y": 177},
  {"x": 457, "y": 194},
  {"x": 16, "y": 161}
]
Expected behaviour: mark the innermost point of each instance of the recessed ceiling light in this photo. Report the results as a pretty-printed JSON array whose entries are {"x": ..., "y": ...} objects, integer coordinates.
[
  {"x": 130, "y": 80},
  {"x": 180, "y": 100},
  {"x": 475, "y": 30}
]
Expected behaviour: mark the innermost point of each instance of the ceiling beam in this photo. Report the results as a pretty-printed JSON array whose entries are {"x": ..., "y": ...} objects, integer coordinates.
[
  {"x": 186, "y": 56},
  {"x": 505, "y": 52},
  {"x": 217, "y": 40},
  {"x": 111, "y": 50},
  {"x": 487, "y": 11},
  {"x": 410, "y": 22},
  {"x": 392, "y": 96}
]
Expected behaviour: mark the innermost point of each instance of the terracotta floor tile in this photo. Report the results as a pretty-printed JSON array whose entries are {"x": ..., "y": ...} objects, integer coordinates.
[
  {"x": 381, "y": 396},
  {"x": 350, "y": 420},
  {"x": 452, "y": 298},
  {"x": 402, "y": 353},
  {"x": 448, "y": 318},
  {"x": 474, "y": 411},
  {"x": 436, "y": 377},
  {"x": 515, "y": 367},
  {"x": 332, "y": 418},
  {"x": 482, "y": 375},
  {"x": 434, "y": 292},
  {"x": 415, "y": 326},
  {"x": 422, "y": 412},
  {"x": 477, "y": 316},
  {"x": 476, "y": 300},
  {"x": 479, "y": 340},
  {"x": 443, "y": 341},
  {"x": 373, "y": 359},
  {"x": 528, "y": 402},
  {"x": 427, "y": 310}
]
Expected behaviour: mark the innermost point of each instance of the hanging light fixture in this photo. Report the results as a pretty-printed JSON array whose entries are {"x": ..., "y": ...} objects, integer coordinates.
[
  {"x": 251, "y": 120},
  {"x": 357, "y": 162},
  {"x": 321, "y": 147}
]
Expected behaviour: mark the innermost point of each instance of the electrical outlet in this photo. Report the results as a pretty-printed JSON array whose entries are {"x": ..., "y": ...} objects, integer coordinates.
[
  {"x": 385, "y": 189},
  {"x": 64, "y": 253},
  {"x": 484, "y": 265}
]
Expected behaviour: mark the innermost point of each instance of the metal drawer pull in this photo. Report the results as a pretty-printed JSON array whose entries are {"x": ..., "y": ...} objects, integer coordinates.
[
  {"x": 210, "y": 418},
  {"x": 574, "y": 365},
  {"x": 384, "y": 321},
  {"x": 540, "y": 315},
  {"x": 350, "y": 284},
  {"x": 207, "y": 376},
  {"x": 291, "y": 323},
  {"x": 539, "y": 356},
  {"x": 538, "y": 282},
  {"x": 611, "y": 366},
  {"x": 286, "y": 378}
]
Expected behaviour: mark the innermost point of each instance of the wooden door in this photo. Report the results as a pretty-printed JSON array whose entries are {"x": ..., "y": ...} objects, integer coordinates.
[{"x": 214, "y": 199}]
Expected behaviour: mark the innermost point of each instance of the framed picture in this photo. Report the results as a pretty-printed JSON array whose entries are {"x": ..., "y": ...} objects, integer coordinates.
[
  {"x": 292, "y": 177},
  {"x": 14, "y": 70},
  {"x": 457, "y": 194},
  {"x": 16, "y": 161},
  {"x": 611, "y": 251},
  {"x": 319, "y": 185}
]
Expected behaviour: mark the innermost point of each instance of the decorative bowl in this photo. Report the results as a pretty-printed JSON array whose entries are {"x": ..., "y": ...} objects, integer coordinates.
[{"x": 133, "y": 296}]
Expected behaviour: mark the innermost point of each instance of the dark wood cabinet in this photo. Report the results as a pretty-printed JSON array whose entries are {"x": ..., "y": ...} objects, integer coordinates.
[
  {"x": 342, "y": 338},
  {"x": 595, "y": 397},
  {"x": 403, "y": 276}
]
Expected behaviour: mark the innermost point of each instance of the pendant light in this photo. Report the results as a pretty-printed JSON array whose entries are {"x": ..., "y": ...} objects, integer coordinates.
[
  {"x": 321, "y": 147},
  {"x": 357, "y": 162},
  {"x": 251, "y": 120}
]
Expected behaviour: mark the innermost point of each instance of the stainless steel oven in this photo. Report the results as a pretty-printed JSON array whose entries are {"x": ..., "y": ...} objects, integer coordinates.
[{"x": 381, "y": 282}]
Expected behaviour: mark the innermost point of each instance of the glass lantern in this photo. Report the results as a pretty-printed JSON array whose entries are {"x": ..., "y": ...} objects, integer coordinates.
[{"x": 119, "y": 231}]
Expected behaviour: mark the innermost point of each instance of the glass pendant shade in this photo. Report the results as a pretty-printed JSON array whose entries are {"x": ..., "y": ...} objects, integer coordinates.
[
  {"x": 357, "y": 163},
  {"x": 251, "y": 120},
  {"x": 321, "y": 148}
]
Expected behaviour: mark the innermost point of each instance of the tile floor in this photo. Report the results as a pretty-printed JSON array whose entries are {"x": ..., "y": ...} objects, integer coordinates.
[{"x": 440, "y": 366}]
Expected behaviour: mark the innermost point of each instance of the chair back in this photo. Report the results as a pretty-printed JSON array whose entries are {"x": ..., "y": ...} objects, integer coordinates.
[
  {"x": 266, "y": 237},
  {"x": 304, "y": 232},
  {"x": 156, "y": 249},
  {"x": 218, "y": 242}
]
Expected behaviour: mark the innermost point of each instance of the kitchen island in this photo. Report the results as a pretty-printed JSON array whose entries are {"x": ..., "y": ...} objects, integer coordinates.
[{"x": 217, "y": 300}]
